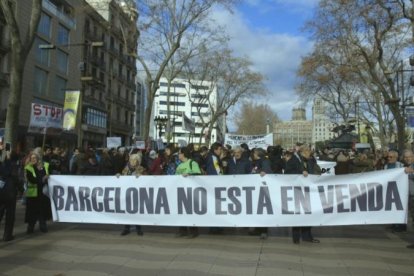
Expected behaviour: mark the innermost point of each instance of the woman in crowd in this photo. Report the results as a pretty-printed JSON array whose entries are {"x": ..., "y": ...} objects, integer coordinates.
[
  {"x": 37, "y": 204},
  {"x": 187, "y": 167},
  {"x": 133, "y": 167},
  {"x": 171, "y": 160}
]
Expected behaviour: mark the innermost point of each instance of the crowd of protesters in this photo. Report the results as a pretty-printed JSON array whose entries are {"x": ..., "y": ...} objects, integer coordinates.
[{"x": 28, "y": 175}]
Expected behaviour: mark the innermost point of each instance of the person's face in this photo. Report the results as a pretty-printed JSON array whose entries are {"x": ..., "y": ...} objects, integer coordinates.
[
  {"x": 181, "y": 156},
  {"x": 287, "y": 157},
  {"x": 306, "y": 153},
  {"x": 56, "y": 151},
  {"x": 392, "y": 157},
  {"x": 76, "y": 152},
  {"x": 33, "y": 159},
  {"x": 48, "y": 151},
  {"x": 133, "y": 162},
  {"x": 409, "y": 158},
  {"x": 218, "y": 151},
  {"x": 237, "y": 154},
  {"x": 167, "y": 152}
]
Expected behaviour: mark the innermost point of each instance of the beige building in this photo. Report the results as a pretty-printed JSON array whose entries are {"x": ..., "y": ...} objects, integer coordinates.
[
  {"x": 287, "y": 134},
  {"x": 77, "y": 47},
  {"x": 322, "y": 126}
]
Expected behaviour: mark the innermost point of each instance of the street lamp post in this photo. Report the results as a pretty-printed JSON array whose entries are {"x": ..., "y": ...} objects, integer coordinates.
[{"x": 160, "y": 123}]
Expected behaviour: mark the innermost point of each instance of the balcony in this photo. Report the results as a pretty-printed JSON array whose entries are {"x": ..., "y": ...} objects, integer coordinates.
[
  {"x": 92, "y": 36},
  {"x": 97, "y": 61},
  {"x": 58, "y": 12},
  {"x": 112, "y": 50},
  {"x": 121, "y": 126}
]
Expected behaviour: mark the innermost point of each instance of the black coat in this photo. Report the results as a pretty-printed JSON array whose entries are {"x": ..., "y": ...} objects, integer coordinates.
[{"x": 240, "y": 166}]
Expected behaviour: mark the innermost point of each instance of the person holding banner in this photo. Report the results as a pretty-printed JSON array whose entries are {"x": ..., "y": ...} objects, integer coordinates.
[
  {"x": 301, "y": 163},
  {"x": 260, "y": 165},
  {"x": 37, "y": 203},
  {"x": 187, "y": 167},
  {"x": 133, "y": 167}
]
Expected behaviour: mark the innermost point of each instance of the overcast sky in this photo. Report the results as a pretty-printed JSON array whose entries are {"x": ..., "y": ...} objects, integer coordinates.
[{"x": 269, "y": 33}]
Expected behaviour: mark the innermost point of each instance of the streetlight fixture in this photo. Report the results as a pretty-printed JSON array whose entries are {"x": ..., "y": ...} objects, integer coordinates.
[{"x": 160, "y": 123}]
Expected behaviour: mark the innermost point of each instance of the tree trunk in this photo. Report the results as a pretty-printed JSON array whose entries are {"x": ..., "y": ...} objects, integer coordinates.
[{"x": 15, "y": 95}]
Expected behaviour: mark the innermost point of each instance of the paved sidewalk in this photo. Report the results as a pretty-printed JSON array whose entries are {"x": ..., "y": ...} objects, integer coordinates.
[{"x": 76, "y": 249}]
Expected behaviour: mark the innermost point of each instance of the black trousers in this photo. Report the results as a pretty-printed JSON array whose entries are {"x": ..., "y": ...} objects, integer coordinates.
[
  {"x": 302, "y": 232},
  {"x": 8, "y": 208}
]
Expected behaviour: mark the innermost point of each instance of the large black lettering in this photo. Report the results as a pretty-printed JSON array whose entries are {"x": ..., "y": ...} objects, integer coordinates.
[
  {"x": 118, "y": 208},
  {"x": 84, "y": 200},
  {"x": 132, "y": 200},
  {"x": 393, "y": 197},
  {"x": 219, "y": 200},
  {"x": 234, "y": 207},
  {"x": 249, "y": 199},
  {"x": 340, "y": 197},
  {"x": 107, "y": 199},
  {"x": 358, "y": 195},
  {"x": 375, "y": 197},
  {"x": 326, "y": 200},
  {"x": 285, "y": 199},
  {"x": 302, "y": 198},
  {"x": 200, "y": 201},
  {"x": 264, "y": 201},
  {"x": 58, "y": 199},
  {"x": 185, "y": 199},
  {"x": 162, "y": 202},
  {"x": 146, "y": 200},
  {"x": 97, "y": 205},
  {"x": 71, "y": 200}
]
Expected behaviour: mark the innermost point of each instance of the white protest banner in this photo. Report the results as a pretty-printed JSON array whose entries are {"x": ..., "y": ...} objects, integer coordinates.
[
  {"x": 253, "y": 141},
  {"x": 328, "y": 168},
  {"x": 378, "y": 197},
  {"x": 113, "y": 142},
  {"x": 45, "y": 117},
  {"x": 140, "y": 144}
]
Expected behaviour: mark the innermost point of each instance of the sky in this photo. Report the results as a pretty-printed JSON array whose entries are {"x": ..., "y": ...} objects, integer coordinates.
[{"x": 270, "y": 33}]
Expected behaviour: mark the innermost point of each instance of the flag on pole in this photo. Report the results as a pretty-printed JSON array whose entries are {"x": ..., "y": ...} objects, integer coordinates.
[{"x": 187, "y": 124}]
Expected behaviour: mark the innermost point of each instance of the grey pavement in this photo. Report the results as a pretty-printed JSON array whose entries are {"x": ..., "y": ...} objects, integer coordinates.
[{"x": 90, "y": 249}]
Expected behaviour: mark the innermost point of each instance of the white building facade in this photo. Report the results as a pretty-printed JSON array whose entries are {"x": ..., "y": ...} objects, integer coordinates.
[
  {"x": 322, "y": 126},
  {"x": 196, "y": 99}
]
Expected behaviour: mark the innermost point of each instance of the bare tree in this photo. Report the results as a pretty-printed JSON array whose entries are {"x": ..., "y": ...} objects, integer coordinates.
[
  {"x": 230, "y": 76},
  {"x": 253, "y": 118},
  {"x": 164, "y": 26},
  {"x": 373, "y": 38},
  {"x": 22, "y": 38}
]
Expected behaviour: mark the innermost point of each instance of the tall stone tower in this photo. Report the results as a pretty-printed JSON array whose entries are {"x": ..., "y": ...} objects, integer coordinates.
[{"x": 298, "y": 114}]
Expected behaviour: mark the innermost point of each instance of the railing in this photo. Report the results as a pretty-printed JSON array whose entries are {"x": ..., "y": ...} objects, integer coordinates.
[{"x": 71, "y": 23}]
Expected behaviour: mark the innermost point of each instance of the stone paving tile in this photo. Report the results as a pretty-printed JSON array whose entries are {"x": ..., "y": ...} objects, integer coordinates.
[
  {"x": 278, "y": 271},
  {"x": 325, "y": 270}
]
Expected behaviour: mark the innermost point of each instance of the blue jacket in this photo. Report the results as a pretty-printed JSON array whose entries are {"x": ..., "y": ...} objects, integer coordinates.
[{"x": 239, "y": 166}]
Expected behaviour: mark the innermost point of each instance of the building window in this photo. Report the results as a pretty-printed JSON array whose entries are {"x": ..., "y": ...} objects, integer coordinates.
[
  {"x": 60, "y": 87},
  {"x": 40, "y": 82},
  {"x": 63, "y": 35},
  {"x": 62, "y": 62},
  {"x": 180, "y": 85},
  {"x": 172, "y": 103},
  {"x": 96, "y": 117},
  {"x": 44, "y": 25},
  {"x": 42, "y": 55},
  {"x": 200, "y": 105}
]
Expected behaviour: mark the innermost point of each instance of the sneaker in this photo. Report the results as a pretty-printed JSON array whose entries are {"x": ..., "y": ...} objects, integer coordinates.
[
  {"x": 140, "y": 233},
  {"x": 43, "y": 229},
  {"x": 263, "y": 236},
  {"x": 125, "y": 232}
]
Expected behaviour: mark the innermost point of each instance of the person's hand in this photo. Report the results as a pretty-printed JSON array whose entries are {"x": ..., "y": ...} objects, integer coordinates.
[
  {"x": 8, "y": 155},
  {"x": 409, "y": 170},
  {"x": 262, "y": 174},
  {"x": 118, "y": 175},
  {"x": 185, "y": 174},
  {"x": 305, "y": 173},
  {"x": 46, "y": 177}
]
